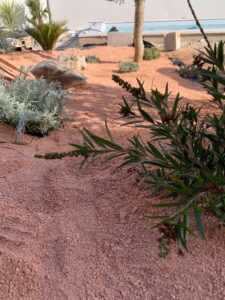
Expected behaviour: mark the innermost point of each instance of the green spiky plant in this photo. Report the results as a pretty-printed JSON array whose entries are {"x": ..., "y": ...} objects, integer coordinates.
[
  {"x": 182, "y": 157},
  {"x": 42, "y": 29},
  {"x": 47, "y": 35},
  {"x": 12, "y": 15},
  {"x": 37, "y": 13}
]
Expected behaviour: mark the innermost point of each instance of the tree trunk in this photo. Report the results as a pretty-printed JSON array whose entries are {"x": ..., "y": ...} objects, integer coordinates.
[{"x": 138, "y": 30}]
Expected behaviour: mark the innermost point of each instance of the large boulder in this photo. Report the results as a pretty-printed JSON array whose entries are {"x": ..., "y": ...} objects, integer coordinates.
[{"x": 54, "y": 71}]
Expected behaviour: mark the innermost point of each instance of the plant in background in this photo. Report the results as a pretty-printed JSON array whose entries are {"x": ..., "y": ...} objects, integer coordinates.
[
  {"x": 47, "y": 35},
  {"x": 151, "y": 53},
  {"x": 12, "y": 15},
  {"x": 34, "y": 103},
  {"x": 37, "y": 13},
  {"x": 92, "y": 59},
  {"x": 73, "y": 62},
  {"x": 128, "y": 67},
  {"x": 43, "y": 31},
  {"x": 190, "y": 72},
  {"x": 12, "y": 18}
]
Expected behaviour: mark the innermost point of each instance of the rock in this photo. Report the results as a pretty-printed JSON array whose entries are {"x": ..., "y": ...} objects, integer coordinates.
[{"x": 54, "y": 71}]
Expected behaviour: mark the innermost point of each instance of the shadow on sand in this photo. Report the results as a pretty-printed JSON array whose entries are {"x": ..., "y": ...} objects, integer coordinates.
[{"x": 171, "y": 73}]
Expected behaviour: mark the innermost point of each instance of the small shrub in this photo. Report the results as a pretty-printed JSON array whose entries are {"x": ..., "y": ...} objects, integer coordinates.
[
  {"x": 151, "y": 53},
  {"x": 35, "y": 103},
  {"x": 92, "y": 59},
  {"x": 127, "y": 67},
  {"x": 189, "y": 72},
  {"x": 73, "y": 62}
]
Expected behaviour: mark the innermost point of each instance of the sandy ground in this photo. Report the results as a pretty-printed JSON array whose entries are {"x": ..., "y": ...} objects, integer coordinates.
[{"x": 73, "y": 234}]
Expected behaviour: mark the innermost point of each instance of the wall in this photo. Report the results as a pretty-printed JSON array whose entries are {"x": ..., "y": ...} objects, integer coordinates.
[{"x": 79, "y": 13}]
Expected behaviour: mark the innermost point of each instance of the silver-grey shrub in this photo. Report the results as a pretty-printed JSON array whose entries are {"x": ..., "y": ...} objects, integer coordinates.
[
  {"x": 35, "y": 103},
  {"x": 128, "y": 67}
]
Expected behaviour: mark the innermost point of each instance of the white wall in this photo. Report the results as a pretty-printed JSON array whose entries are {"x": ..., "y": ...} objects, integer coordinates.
[{"x": 80, "y": 12}]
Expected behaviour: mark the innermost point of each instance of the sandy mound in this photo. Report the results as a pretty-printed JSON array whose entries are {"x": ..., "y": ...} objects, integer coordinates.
[{"x": 67, "y": 233}]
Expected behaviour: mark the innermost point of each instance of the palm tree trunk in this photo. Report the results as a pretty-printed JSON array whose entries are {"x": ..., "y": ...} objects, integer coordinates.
[{"x": 138, "y": 30}]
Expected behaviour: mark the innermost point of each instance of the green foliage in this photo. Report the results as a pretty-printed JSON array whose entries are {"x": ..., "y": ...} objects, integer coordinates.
[
  {"x": 128, "y": 67},
  {"x": 126, "y": 109},
  {"x": 12, "y": 15},
  {"x": 37, "y": 13},
  {"x": 47, "y": 34},
  {"x": 191, "y": 72},
  {"x": 43, "y": 31},
  {"x": 211, "y": 57},
  {"x": 151, "y": 53},
  {"x": 92, "y": 59},
  {"x": 34, "y": 103},
  {"x": 207, "y": 59}
]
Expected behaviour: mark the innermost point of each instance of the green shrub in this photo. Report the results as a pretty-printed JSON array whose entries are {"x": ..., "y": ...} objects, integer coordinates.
[
  {"x": 151, "y": 53},
  {"x": 189, "y": 72},
  {"x": 35, "y": 103},
  {"x": 12, "y": 15},
  {"x": 127, "y": 67},
  {"x": 67, "y": 58},
  {"x": 92, "y": 59},
  {"x": 42, "y": 29},
  {"x": 47, "y": 35},
  {"x": 73, "y": 62}
]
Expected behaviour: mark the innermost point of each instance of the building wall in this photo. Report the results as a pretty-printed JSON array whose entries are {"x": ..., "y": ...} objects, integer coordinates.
[{"x": 79, "y": 13}]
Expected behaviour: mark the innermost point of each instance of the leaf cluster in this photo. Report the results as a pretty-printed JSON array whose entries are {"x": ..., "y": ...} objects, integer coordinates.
[{"x": 42, "y": 29}]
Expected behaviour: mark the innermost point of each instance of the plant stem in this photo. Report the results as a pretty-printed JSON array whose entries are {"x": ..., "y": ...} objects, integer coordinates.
[{"x": 199, "y": 24}]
